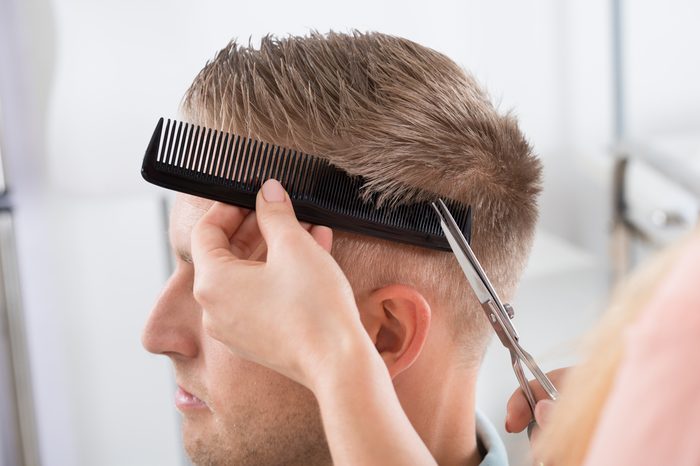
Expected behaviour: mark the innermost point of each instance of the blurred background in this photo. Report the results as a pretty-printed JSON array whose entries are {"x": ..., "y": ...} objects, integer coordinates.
[{"x": 605, "y": 90}]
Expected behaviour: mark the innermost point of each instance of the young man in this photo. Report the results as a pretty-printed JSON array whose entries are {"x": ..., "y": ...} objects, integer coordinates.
[{"x": 414, "y": 125}]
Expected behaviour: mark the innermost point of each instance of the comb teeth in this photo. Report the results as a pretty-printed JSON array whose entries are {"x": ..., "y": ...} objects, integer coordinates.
[{"x": 231, "y": 168}]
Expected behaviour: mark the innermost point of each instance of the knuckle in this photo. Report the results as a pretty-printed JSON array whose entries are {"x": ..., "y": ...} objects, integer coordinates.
[{"x": 202, "y": 290}]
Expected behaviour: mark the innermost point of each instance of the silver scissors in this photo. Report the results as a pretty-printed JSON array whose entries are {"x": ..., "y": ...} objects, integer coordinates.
[{"x": 498, "y": 313}]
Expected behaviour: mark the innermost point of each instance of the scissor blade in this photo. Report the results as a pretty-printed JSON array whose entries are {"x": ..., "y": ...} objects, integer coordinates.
[
  {"x": 476, "y": 276},
  {"x": 474, "y": 280}
]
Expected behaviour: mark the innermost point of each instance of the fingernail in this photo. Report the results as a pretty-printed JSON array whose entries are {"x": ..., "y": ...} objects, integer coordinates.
[{"x": 273, "y": 191}]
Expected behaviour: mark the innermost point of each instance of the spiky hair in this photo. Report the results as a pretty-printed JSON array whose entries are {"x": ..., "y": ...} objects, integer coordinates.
[{"x": 406, "y": 118}]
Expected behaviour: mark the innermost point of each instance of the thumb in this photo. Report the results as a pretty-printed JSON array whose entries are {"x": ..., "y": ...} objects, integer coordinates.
[
  {"x": 275, "y": 214},
  {"x": 543, "y": 411}
]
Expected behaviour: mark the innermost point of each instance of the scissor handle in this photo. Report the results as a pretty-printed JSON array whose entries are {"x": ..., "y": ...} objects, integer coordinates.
[
  {"x": 522, "y": 380},
  {"x": 510, "y": 340},
  {"x": 525, "y": 386},
  {"x": 540, "y": 376}
]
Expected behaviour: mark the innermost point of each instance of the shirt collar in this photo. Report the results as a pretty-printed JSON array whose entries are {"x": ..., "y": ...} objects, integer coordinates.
[{"x": 490, "y": 443}]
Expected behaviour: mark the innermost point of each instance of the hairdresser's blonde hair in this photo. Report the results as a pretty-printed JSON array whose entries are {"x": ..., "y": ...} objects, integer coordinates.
[
  {"x": 566, "y": 438},
  {"x": 413, "y": 124}
]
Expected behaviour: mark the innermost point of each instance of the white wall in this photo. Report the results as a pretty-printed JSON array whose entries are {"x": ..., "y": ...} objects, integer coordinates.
[
  {"x": 120, "y": 65},
  {"x": 662, "y": 68},
  {"x": 101, "y": 73}
]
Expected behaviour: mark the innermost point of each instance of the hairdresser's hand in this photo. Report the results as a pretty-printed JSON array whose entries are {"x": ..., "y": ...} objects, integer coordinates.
[
  {"x": 518, "y": 414},
  {"x": 295, "y": 312}
]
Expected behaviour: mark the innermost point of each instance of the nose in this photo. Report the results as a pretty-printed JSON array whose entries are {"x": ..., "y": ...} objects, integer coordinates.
[{"x": 174, "y": 325}]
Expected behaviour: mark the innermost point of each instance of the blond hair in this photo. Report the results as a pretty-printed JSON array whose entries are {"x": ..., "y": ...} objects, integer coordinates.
[
  {"x": 566, "y": 438},
  {"x": 407, "y": 119}
]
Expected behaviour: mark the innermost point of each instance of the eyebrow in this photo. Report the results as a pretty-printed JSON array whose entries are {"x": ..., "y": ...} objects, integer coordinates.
[{"x": 184, "y": 255}]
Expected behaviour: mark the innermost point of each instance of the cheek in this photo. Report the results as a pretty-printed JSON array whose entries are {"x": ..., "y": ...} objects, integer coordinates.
[
  {"x": 236, "y": 386},
  {"x": 225, "y": 373},
  {"x": 232, "y": 380}
]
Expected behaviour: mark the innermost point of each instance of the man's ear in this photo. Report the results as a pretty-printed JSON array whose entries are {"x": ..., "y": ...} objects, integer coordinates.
[{"x": 397, "y": 319}]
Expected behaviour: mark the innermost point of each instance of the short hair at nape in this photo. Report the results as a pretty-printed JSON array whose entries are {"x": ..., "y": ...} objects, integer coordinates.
[{"x": 410, "y": 121}]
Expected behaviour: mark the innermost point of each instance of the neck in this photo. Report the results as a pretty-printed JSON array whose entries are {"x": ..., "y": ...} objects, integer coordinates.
[{"x": 440, "y": 402}]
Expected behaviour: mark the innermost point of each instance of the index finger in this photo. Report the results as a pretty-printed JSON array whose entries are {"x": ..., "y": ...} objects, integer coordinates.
[{"x": 211, "y": 235}]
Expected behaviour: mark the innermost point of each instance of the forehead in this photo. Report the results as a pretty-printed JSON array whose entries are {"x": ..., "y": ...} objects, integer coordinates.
[{"x": 185, "y": 213}]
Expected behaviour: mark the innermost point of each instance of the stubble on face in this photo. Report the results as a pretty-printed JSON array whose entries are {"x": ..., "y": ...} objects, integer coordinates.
[{"x": 260, "y": 433}]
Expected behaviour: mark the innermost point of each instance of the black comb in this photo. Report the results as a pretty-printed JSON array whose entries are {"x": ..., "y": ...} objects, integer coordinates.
[{"x": 225, "y": 167}]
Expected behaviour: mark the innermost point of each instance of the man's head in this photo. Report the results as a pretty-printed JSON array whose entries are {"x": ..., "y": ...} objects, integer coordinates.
[{"x": 414, "y": 125}]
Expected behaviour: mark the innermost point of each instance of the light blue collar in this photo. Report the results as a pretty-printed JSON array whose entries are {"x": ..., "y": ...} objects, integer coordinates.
[{"x": 490, "y": 441}]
